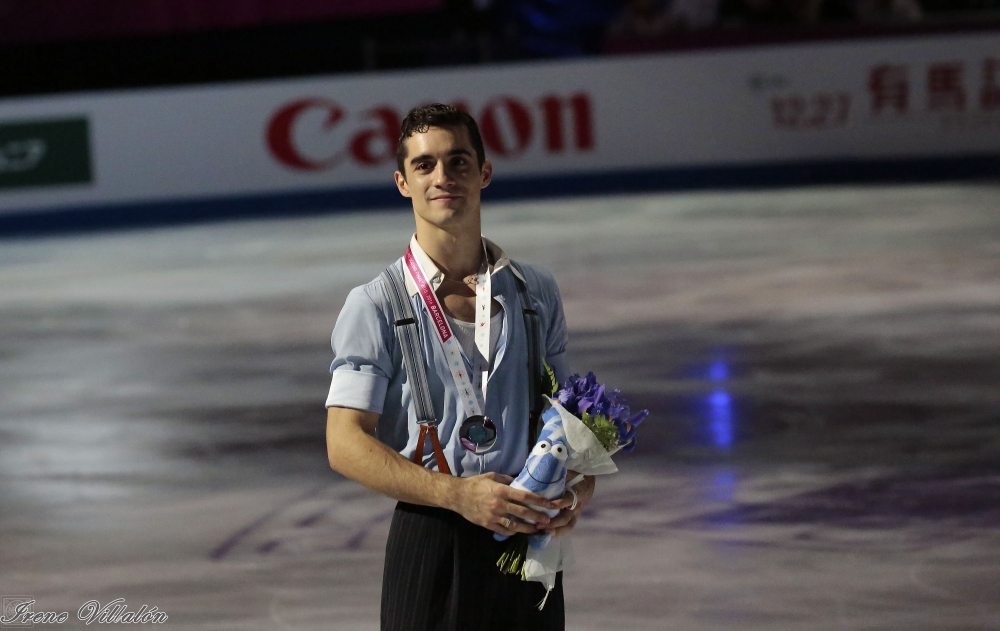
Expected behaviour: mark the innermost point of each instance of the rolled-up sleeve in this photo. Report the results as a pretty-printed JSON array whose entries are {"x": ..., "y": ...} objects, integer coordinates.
[{"x": 362, "y": 365}]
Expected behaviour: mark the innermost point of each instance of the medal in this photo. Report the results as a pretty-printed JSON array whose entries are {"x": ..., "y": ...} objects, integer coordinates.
[{"x": 478, "y": 434}]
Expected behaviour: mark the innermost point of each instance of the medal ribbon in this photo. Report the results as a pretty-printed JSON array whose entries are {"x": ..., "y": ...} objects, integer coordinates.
[{"x": 473, "y": 398}]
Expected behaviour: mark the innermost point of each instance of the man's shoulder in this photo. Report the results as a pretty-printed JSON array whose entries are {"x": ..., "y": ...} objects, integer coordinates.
[
  {"x": 374, "y": 293},
  {"x": 539, "y": 280}
]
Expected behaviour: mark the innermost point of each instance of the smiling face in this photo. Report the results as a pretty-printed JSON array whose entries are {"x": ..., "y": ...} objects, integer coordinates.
[
  {"x": 547, "y": 461},
  {"x": 443, "y": 178}
]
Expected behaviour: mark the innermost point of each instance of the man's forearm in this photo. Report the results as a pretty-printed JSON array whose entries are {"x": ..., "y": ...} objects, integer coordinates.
[
  {"x": 360, "y": 456},
  {"x": 486, "y": 499}
]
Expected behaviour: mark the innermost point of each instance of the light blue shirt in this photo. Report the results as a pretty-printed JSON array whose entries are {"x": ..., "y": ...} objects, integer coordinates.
[{"x": 367, "y": 372}]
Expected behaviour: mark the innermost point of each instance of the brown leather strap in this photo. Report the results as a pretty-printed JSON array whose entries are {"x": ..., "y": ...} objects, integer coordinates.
[
  {"x": 418, "y": 454},
  {"x": 438, "y": 452}
]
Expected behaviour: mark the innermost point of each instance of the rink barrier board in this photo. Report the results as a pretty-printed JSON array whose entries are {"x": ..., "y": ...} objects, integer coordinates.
[
  {"x": 319, "y": 202},
  {"x": 910, "y": 109}
]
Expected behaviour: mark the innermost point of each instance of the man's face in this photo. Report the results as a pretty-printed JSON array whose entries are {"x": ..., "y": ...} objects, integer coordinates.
[{"x": 443, "y": 178}]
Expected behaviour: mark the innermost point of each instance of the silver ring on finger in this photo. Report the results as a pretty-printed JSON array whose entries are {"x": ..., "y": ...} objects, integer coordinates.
[{"x": 506, "y": 523}]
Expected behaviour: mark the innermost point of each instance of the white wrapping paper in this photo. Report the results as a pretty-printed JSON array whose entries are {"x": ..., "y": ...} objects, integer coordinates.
[{"x": 586, "y": 456}]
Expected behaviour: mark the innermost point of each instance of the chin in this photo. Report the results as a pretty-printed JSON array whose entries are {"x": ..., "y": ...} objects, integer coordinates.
[
  {"x": 455, "y": 205},
  {"x": 444, "y": 216}
]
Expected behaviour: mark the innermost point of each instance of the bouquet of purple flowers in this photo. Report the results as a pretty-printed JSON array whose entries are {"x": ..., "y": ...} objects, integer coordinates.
[
  {"x": 606, "y": 414},
  {"x": 583, "y": 426}
]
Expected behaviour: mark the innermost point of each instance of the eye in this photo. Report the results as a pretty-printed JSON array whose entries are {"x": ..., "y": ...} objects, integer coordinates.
[
  {"x": 541, "y": 448},
  {"x": 559, "y": 451}
]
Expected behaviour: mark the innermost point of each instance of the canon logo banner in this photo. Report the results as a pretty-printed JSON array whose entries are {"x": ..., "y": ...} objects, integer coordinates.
[
  {"x": 318, "y": 134},
  {"x": 825, "y": 111}
]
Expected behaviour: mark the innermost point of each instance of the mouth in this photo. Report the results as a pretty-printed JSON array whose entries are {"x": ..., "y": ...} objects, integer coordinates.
[
  {"x": 445, "y": 198},
  {"x": 530, "y": 475}
]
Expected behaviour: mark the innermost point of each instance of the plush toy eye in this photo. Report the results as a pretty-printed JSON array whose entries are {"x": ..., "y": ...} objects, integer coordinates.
[
  {"x": 559, "y": 451},
  {"x": 541, "y": 448}
]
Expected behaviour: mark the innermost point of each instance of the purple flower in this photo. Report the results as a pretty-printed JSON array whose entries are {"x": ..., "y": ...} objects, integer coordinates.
[
  {"x": 584, "y": 394},
  {"x": 639, "y": 417}
]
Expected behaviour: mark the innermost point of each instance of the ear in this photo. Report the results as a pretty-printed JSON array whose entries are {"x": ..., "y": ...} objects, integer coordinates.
[
  {"x": 486, "y": 173},
  {"x": 401, "y": 184}
]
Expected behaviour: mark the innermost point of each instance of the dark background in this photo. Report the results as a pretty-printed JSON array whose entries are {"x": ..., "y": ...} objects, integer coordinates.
[{"x": 44, "y": 48}]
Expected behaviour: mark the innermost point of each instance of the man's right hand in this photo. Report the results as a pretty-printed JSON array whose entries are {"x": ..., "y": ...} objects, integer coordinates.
[{"x": 488, "y": 500}]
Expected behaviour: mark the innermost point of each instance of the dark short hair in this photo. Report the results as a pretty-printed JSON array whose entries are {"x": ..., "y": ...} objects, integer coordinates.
[{"x": 422, "y": 118}]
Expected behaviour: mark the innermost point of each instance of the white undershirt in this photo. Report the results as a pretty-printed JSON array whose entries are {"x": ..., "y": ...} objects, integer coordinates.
[{"x": 466, "y": 334}]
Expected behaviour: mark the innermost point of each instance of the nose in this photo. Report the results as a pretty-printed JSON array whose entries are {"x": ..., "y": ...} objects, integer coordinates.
[
  {"x": 442, "y": 178},
  {"x": 546, "y": 469}
]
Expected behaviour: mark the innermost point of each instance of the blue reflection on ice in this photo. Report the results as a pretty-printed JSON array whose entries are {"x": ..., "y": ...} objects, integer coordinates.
[
  {"x": 718, "y": 371},
  {"x": 720, "y": 410},
  {"x": 724, "y": 485},
  {"x": 720, "y": 406}
]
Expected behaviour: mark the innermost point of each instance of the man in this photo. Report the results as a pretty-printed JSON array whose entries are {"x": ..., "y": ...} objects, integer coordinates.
[{"x": 440, "y": 569}]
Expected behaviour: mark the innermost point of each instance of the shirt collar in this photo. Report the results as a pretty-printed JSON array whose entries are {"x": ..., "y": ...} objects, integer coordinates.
[{"x": 435, "y": 276}]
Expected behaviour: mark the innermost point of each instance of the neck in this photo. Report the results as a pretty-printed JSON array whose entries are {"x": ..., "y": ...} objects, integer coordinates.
[{"x": 458, "y": 253}]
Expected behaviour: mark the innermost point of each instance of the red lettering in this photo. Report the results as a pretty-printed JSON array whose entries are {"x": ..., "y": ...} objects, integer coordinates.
[
  {"x": 520, "y": 124},
  {"x": 507, "y": 127},
  {"x": 890, "y": 88},
  {"x": 281, "y": 128},
  {"x": 989, "y": 92},
  {"x": 945, "y": 87},
  {"x": 583, "y": 125},
  {"x": 386, "y": 129}
]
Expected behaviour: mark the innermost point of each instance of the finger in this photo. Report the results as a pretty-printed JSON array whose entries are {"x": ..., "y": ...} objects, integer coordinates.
[
  {"x": 505, "y": 508},
  {"x": 561, "y": 530},
  {"x": 497, "y": 527},
  {"x": 502, "y": 479},
  {"x": 515, "y": 527},
  {"x": 572, "y": 524},
  {"x": 575, "y": 496},
  {"x": 530, "y": 514},
  {"x": 565, "y": 501},
  {"x": 520, "y": 526},
  {"x": 524, "y": 497},
  {"x": 561, "y": 520},
  {"x": 500, "y": 529}
]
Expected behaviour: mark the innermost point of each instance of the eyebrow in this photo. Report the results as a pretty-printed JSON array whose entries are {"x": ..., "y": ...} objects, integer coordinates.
[{"x": 454, "y": 152}]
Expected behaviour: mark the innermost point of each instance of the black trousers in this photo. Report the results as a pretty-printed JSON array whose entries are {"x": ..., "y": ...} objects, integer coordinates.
[{"x": 441, "y": 575}]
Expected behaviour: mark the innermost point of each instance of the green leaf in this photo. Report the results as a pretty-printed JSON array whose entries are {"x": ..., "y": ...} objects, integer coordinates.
[
  {"x": 553, "y": 384},
  {"x": 605, "y": 431}
]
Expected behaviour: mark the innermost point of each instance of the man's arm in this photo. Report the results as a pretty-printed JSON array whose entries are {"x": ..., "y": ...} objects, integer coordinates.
[{"x": 485, "y": 499}]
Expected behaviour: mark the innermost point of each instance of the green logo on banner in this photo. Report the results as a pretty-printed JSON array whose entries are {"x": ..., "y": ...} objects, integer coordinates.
[{"x": 44, "y": 153}]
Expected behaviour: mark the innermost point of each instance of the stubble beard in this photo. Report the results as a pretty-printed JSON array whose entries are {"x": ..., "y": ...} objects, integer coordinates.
[{"x": 445, "y": 218}]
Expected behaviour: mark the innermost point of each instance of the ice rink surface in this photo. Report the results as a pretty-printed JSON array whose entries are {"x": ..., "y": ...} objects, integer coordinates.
[{"x": 822, "y": 366}]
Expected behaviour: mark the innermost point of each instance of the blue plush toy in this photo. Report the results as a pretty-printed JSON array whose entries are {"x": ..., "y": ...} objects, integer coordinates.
[{"x": 545, "y": 471}]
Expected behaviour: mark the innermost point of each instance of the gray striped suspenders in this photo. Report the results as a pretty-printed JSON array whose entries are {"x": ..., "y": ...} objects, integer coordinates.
[
  {"x": 535, "y": 372},
  {"x": 409, "y": 340},
  {"x": 416, "y": 369}
]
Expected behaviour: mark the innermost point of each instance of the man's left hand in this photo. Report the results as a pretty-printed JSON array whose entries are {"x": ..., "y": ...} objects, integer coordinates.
[{"x": 566, "y": 519}]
